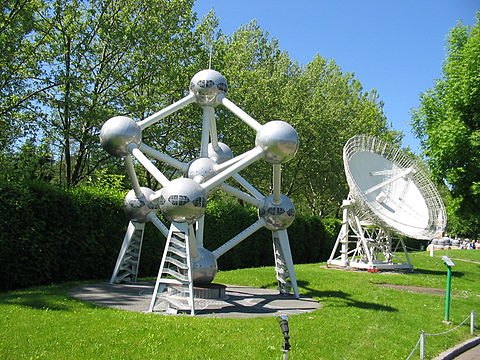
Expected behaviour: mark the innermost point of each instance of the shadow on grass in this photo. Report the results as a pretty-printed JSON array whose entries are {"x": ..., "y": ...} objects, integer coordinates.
[
  {"x": 339, "y": 295},
  {"x": 48, "y": 298},
  {"x": 349, "y": 302},
  {"x": 437, "y": 272}
]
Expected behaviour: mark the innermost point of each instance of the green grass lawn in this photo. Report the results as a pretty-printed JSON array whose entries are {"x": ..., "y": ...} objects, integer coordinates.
[{"x": 358, "y": 320}]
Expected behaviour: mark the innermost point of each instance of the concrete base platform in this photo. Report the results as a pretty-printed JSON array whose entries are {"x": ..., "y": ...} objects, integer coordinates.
[{"x": 239, "y": 301}]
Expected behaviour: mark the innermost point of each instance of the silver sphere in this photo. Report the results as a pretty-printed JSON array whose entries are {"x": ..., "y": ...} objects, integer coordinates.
[
  {"x": 279, "y": 140},
  {"x": 221, "y": 154},
  {"x": 277, "y": 216},
  {"x": 136, "y": 208},
  {"x": 119, "y": 132},
  {"x": 206, "y": 85},
  {"x": 201, "y": 169},
  {"x": 183, "y": 200},
  {"x": 204, "y": 268}
]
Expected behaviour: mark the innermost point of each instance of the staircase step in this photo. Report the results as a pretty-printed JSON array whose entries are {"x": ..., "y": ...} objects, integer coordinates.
[
  {"x": 176, "y": 262},
  {"x": 175, "y": 274},
  {"x": 177, "y": 242}
]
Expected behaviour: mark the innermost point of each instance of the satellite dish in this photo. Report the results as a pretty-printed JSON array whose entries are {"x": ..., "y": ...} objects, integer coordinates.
[{"x": 390, "y": 191}]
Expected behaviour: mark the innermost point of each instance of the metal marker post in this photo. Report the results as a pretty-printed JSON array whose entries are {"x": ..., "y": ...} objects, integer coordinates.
[
  {"x": 472, "y": 323},
  {"x": 422, "y": 345},
  {"x": 283, "y": 322},
  {"x": 449, "y": 264}
]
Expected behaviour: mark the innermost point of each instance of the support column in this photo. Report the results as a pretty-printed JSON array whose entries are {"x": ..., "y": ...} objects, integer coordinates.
[
  {"x": 284, "y": 264},
  {"x": 175, "y": 273},
  {"x": 126, "y": 267}
]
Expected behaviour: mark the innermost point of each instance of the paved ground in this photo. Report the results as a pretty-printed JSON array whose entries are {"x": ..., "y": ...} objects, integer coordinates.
[
  {"x": 472, "y": 354},
  {"x": 239, "y": 302},
  {"x": 469, "y": 350}
]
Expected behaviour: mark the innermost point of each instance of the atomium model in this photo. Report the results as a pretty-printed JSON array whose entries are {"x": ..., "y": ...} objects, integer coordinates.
[
  {"x": 185, "y": 262},
  {"x": 389, "y": 193}
]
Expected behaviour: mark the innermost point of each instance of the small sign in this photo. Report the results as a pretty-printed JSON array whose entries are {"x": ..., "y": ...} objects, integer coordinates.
[{"x": 448, "y": 261}]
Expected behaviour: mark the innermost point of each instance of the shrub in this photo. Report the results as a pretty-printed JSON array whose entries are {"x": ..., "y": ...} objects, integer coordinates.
[
  {"x": 50, "y": 235},
  {"x": 309, "y": 240}
]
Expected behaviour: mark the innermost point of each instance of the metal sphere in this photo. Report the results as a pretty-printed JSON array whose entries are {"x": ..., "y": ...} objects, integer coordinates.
[
  {"x": 206, "y": 85},
  {"x": 204, "y": 268},
  {"x": 279, "y": 140},
  {"x": 201, "y": 169},
  {"x": 277, "y": 216},
  {"x": 119, "y": 132},
  {"x": 221, "y": 154},
  {"x": 136, "y": 208},
  {"x": 183, "y": 200}
]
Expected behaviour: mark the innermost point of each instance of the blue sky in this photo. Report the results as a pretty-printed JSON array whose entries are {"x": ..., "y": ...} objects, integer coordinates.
[{"x": 396, "y": 47}]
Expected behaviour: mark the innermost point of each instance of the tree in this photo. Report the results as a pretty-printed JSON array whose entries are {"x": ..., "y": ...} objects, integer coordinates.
[
  {"x": 104, "y": 58},
  {"x": 100, "y": 58},
  {"x": 448, "y": 124},
  {"x": 329, "y": 107},
  {"x": 30, "y": 162},
  {"x": 19, "y": 68},
  {"x": 325, "y": 106}
]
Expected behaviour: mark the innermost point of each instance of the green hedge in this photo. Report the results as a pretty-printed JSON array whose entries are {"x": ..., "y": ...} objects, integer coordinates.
[
  {"x": 50, "y": 235},
  {"x": 309, "y": 240}
]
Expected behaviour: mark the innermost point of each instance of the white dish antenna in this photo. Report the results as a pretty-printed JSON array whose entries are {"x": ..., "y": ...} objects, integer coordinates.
[{"x": 390, "y": 191}]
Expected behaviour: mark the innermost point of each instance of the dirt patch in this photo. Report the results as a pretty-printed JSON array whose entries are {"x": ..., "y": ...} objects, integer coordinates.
[
  {"x": 353, "y": 269},
  {"x": 416, "y": 289},
  {"x": 470, "y": 261}
]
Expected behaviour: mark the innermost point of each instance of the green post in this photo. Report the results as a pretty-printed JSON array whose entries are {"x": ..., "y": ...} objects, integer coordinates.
[
  {"x": 449, "y": 264},
  {"x": 447, "y": 298}
]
